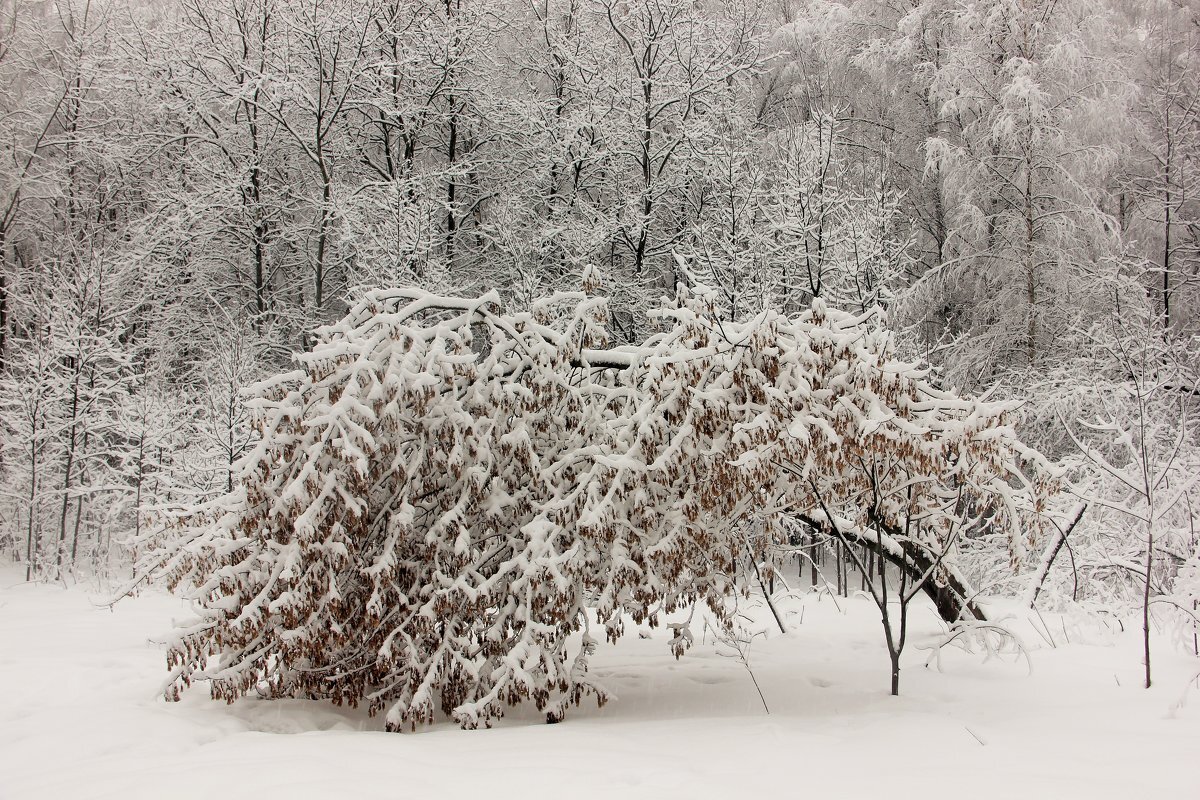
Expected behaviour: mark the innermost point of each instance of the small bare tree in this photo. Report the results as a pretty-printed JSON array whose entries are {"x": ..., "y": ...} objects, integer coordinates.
[
  {"x": 910, "y": 580},
  {"x": 1141, "y": 443}
]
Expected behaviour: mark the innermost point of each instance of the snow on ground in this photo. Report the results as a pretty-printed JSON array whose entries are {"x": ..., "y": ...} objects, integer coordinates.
[{"x": 80, "y": 717}]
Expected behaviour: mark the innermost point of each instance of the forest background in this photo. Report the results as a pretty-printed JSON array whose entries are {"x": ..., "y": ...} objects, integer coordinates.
[{"x": 189, "y": 189}]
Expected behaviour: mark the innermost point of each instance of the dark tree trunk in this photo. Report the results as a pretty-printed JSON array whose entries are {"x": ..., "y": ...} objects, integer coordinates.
[{"x": 952, "y": 599}]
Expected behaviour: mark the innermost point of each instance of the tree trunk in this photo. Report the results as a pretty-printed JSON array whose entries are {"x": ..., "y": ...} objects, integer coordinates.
[
  {"x": 951, "y": 597},
  {"x": 815, "y": 556},
  {"x": 3, "y": 297},
  {"x": 30, "y": 550},
  {"x": 1146, "y": 599},
  {"x": 68, "y": 470}
]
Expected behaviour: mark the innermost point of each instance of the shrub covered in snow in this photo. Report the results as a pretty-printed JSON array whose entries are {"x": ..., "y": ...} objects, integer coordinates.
[{"x": 447, "y": 501}]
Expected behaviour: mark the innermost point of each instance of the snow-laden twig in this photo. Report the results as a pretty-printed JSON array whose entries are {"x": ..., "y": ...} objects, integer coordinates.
[
  {"x": 992, "y": 638},
  {"x": 738, "y": 639}
]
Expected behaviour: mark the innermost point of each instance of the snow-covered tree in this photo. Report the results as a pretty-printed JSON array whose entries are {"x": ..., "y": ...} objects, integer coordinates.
[
  {"x": 1028, "y": 97},
  {"x": 1159, "y": 205},
  {"x": 443, "y": 493},
  {"x": 1142, "y": 447},
  {"x": 29, "y": 419}
]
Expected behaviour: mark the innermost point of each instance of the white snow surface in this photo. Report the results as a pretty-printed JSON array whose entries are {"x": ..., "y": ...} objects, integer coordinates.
[{"x": 81, "y": 717}]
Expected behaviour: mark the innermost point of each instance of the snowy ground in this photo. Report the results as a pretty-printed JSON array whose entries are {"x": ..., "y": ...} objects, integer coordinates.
[{"x": 80, "y": 717}]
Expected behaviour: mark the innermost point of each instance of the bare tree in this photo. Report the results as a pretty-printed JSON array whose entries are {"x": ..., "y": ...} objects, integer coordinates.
[{"x": 1143, "y": 446}]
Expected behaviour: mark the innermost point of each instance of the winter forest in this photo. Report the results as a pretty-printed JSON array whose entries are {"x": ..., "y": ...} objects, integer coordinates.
[{"x": 424, "y": 349}]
